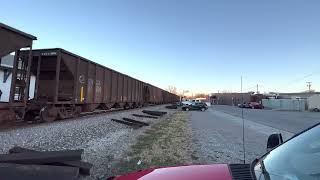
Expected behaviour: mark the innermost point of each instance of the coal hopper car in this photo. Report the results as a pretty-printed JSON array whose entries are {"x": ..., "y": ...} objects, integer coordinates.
[{"x": 67, "y": 84}]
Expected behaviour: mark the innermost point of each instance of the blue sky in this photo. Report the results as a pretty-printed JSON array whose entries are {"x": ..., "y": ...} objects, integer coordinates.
[{"x": 195, "y": 45}]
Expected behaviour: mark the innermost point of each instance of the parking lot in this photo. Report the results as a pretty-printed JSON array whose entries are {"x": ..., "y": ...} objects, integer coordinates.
[
  {"x": 217, "y": 133},
  {"x": 290, "y": 121}
]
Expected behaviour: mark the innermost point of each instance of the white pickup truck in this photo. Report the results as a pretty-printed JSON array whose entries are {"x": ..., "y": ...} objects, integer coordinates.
[{"x": 189, "y": 102}]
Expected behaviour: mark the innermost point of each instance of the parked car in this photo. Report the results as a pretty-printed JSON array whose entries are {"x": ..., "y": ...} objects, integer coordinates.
[
  {"x": 195, "y": 106},
  {"x": 315, "y": 110},
  {"x": 295, "y": 159},
  {"x": 255, "y": 105},
  {"x": 195, "y": 100},
  {"x": 186, "y": 102},
  {"x": 244, "y": 105}
]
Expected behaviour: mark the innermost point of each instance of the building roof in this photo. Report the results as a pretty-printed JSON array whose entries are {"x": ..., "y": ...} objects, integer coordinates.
[
  {"x": 13, "y": 40},
  {"x": 17, "y": 31},
  {"x": 303, "y": 95},
  {"x": 299, "y": 93}
]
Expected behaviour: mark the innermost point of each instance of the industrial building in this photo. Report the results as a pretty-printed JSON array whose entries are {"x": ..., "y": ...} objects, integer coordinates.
[{"x": 233, "y": 99}]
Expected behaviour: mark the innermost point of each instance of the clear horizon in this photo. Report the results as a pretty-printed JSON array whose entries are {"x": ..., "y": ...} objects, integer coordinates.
[{"x": 201, "y": 46}]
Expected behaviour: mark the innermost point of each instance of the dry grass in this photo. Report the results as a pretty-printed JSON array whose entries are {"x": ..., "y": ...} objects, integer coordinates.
[{"x": 167, "y": 143}]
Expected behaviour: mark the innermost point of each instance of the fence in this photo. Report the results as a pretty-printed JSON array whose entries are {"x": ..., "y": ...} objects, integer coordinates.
[{"x": 285, "y": 104}]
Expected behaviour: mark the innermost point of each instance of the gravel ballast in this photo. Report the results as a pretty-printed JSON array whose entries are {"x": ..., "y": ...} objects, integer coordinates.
[{"x": 103, "y": 140}]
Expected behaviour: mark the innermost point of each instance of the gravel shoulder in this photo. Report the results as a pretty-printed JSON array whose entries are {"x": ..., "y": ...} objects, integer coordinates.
[
  {"x": 104, "y": 141},
  {"x": 167, "y": 143}
]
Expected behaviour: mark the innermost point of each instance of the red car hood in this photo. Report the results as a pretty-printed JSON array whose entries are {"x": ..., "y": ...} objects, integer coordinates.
[{"x": 203, "y": 172}]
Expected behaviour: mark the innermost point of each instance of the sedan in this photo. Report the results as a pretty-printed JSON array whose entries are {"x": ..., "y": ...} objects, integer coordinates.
[
  {"x": 244, "y": 105},
  {"x": 196, "y": 106},
  {"x": 255, "y": 105}
]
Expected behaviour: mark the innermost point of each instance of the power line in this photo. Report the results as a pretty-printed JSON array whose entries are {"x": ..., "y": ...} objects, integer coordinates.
[
  {"x": 299, "y": 79},
  {"x": 254, "y": 87},
  {"x": 292, "y": 82}
]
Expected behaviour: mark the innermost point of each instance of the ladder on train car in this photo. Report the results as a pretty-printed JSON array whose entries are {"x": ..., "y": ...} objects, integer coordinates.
[{"x": 21, "y": 80}]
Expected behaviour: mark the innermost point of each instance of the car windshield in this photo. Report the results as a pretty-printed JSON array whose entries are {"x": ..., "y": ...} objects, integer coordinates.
[
  {"x": 109, "y": 87},
  {"x": 297, "y": 159}
]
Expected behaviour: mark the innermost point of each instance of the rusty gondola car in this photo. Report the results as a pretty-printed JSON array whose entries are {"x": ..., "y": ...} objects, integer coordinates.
[
  {"x": 67, "y": 84},
  {"x": 12, "y": 41}
]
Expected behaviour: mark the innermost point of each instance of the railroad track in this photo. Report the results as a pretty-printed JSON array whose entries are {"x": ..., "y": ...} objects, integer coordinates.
[{"x": 21, "y": 123}]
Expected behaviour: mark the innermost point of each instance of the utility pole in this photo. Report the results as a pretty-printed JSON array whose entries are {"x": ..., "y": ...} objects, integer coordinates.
[
  {"x": 257, "y": 88},
  {"x": 309, "y": 86},
  {"x": 243, "y": 143},
  {"x": 184, "y": 91}
]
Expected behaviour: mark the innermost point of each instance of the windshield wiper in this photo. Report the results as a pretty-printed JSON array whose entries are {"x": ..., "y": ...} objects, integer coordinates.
[{"x": 264, "y": 171}]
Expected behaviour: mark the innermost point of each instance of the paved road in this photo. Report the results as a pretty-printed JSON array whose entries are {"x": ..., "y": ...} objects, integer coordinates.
[
  {"x": 286, "y": 120},
  {"x": 217, "y": 137}
]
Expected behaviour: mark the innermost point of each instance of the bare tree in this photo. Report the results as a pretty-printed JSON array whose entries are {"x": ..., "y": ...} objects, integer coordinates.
[{"x": 172, "y": 89}]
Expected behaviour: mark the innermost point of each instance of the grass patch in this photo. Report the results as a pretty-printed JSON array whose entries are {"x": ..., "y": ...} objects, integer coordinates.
[{"x": 167, "y": 143}]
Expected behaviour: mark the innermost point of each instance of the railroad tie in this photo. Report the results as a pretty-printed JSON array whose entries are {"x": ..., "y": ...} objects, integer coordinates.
[
  {"x": 136, "y": 122},
  {"x": 144, "y": 116},
  {"x": 127, "y": 123},
  {"x": 23, "y": 163},
  {"x": 154, "y": 113},
  {"x": 84, "y": 167}
]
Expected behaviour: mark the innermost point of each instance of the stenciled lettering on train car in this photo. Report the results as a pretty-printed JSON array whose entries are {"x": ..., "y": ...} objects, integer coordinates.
[
  {"x": 90, "y": 83},
  {"x": 53, "y": 53},
  {"x": 82, "y": 79},
  {"x": 98, "y": 86}
]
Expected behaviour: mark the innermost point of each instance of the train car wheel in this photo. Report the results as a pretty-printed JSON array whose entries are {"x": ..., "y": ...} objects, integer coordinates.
[
  {"x": 48, "y": 114},
  {"x": 29, "y": 116}
]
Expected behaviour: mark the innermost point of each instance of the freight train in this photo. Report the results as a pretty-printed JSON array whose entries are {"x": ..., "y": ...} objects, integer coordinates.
[{"x": 67, "y": 84}]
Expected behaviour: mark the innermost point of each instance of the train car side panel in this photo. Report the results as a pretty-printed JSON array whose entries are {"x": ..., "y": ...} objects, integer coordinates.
[
  {"x": 82, "y": 80},
  {"x": 130, "y": 89},
  {"x": 125, "y": 88},
  {"x": 137, "y": 90},
  {"x": 114, "y": 87},
  {"x": 68, "y": 68},
  {"x": 135, "y": 86},
  {"x": 90, "y": 83},
  {"x": 99, "y": 81},
  {"x": 107, "y": 85},
  {"x": 46, "y": 78},
  {"x": 141, "y": 92},
  {"x": 120, "y": 88},
  {"x": 153, "y": 94}
]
